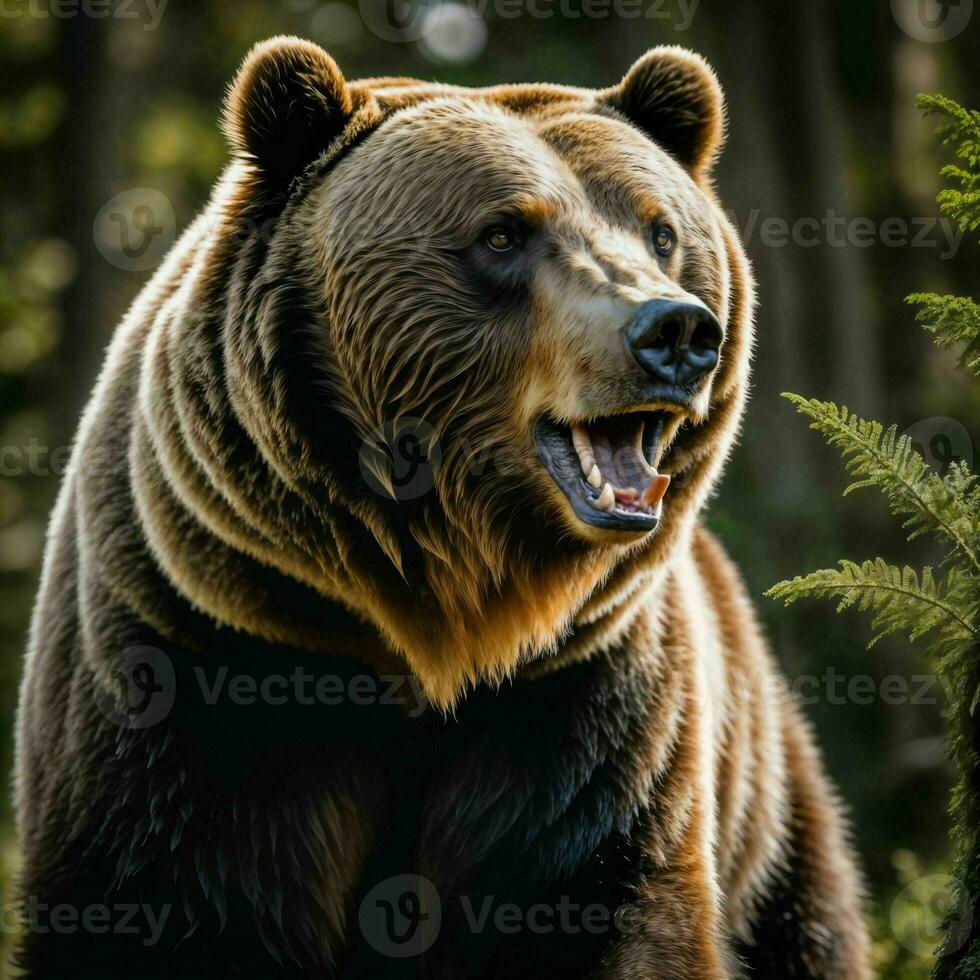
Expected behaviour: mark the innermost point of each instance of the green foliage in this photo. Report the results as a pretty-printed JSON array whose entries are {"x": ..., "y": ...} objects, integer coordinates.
[
  {"x": 945, "y": 506},
  {"x": 954, "y": 320},
  {"x": 942, "y": 608},
  {"x": 961, "y": 128},
  {"x": 899, "y": 599}
]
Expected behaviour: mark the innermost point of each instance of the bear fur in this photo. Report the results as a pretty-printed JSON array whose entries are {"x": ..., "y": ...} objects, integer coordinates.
[{"x": 581, "y": 717}]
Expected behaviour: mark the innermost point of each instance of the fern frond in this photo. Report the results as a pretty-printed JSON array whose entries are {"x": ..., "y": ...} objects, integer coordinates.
[
  {"x": 961, "y": 125},
  {"x": 962, "y": 206},
  {"x": 961, "y": 128},
  {"x": 948, "y": 507},
  {"x": 953, "y": 320},
  {"x": 916, "y": 603},
  {"x": 899, "y": 599}
]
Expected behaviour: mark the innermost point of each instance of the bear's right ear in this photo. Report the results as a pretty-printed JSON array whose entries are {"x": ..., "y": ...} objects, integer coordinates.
[
  {"x": 674, "y": 97},
  {"x": 288, "y": 100}
]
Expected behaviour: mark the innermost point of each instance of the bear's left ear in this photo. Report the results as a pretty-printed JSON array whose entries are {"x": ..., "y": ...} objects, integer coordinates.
[
  {"x": 674, "y": 97},
  {"x": 287, "y": 102}
]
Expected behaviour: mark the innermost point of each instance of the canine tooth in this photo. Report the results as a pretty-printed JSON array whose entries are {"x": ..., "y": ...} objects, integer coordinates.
[
  {"x": 583, "y": 447},
  {"x": 595, "y": 477},
  {"x": 580, "y": 437},
  {"x": 607, "y": 499},
  {"x": 654, "y": 493}
]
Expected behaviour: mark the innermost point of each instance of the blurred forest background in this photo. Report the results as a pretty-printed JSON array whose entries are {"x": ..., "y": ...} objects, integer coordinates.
[{"x": 829, "y": 172}]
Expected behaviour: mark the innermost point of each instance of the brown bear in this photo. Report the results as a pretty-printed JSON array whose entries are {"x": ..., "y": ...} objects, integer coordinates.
[{"x": 377, "y": 634}]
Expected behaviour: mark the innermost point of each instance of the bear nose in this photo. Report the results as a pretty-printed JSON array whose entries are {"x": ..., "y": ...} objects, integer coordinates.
[{"x": 675, "y": 342}]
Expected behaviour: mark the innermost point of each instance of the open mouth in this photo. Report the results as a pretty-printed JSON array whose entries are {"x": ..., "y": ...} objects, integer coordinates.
[{"x": 605, "y": 467}]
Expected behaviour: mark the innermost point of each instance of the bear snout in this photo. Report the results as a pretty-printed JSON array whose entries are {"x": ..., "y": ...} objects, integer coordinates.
[{"x": 674, "y": 342}]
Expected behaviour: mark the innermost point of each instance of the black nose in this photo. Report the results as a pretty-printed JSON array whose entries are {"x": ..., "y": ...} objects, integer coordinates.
[{"x": 674, "y": 342}]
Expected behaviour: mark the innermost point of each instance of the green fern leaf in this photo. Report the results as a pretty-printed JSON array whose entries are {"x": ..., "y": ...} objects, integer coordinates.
[
  {"x": 953, "y": 320},
  {"x": 899, "y": 599},
  {"x": 948, "y": 507},
  {"x": 960, "y": 128}
]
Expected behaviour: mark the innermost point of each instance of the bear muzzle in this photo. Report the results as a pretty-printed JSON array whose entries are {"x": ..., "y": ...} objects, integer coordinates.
[{"x": 676, "y": 343}]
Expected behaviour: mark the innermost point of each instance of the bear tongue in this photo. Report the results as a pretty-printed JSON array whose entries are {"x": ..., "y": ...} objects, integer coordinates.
[
  {"x": 630, "y": 498},
  {"x": 654, "y": 493}
]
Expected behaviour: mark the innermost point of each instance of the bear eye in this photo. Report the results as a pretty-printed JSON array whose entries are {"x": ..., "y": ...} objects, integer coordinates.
[
  {"x": 500, "y": 240},
  {"x": 664, "y": 240}
]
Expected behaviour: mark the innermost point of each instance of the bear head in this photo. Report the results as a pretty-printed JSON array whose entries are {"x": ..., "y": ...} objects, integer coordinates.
[{"x": 480, "y": 334}]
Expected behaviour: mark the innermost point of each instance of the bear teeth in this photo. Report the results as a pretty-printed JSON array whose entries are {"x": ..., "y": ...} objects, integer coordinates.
[
  {"x": 607, "y": 499},
  {"x": 583, "y": 448},
  {"x": 612, "y": 499}
]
